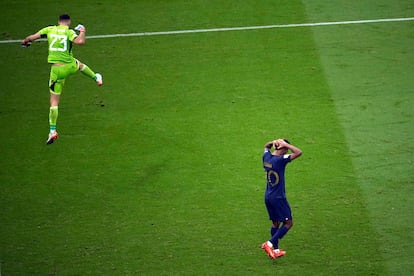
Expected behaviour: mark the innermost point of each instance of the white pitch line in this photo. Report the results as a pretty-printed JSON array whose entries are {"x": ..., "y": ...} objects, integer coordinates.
[{"x": 239, "y": 28}]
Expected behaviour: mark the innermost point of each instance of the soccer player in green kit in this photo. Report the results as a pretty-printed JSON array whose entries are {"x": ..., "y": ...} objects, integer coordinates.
[{"x": 63, "y": 64}]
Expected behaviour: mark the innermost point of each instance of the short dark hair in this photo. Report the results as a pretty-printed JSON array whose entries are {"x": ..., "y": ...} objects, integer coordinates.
[{"x": 64, "y": 17}]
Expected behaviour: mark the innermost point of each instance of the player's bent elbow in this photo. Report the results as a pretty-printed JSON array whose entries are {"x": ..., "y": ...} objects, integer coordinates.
[
  {"x": 79, "y": 41},
  {"x": 295, "y": 155}
]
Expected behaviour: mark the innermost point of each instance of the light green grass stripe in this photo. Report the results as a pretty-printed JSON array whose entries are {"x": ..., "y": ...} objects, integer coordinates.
[
  {"x": 376, "y": 111},
  {"x": 240, "y": 28}
]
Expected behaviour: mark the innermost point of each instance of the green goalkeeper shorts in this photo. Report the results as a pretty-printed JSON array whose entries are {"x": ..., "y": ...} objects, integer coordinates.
[{"x": 58, "y": 75}]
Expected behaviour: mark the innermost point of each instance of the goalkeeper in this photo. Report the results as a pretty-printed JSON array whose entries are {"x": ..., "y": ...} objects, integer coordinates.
[{"x": 63, "y": 64}]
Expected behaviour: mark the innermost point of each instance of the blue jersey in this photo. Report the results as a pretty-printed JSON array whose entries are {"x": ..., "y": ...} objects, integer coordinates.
[{"x": 274, "y": 166}]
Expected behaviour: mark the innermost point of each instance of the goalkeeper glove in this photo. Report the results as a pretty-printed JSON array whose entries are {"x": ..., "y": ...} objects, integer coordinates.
[
  {"x": 26, "y": 43},
  {"x": 80, "y": 28}
]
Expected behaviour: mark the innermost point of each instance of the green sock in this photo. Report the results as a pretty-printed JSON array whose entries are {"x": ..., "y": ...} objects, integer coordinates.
[
  {"x": 88, "y": 72},
  {"x": 53, "y": 114}
]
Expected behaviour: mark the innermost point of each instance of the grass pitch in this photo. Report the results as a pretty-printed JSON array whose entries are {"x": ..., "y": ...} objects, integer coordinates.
[{"x": 158, "y": 172}]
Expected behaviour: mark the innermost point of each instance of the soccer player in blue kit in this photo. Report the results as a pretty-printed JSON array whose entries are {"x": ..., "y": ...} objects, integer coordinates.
[{"x": 274, "y": 164}]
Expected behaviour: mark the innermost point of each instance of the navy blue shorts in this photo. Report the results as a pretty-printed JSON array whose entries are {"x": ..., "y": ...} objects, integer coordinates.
[{"x": 278, "y": 209}]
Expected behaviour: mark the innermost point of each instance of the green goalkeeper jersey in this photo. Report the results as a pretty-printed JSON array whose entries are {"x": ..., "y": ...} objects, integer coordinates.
[{"x": 60, "y": 39}]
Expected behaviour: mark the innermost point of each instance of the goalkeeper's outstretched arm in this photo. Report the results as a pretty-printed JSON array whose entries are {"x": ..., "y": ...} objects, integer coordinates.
[{"x": 30, "y": 38}]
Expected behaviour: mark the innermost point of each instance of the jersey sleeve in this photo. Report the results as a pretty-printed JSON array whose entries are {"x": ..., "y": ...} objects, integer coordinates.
[
  {"x": 266, "y": 156},
  {"x": 43, "y": 32},
  {"x": 72, "y": 35},
  {"x": 286, "y": 158}
]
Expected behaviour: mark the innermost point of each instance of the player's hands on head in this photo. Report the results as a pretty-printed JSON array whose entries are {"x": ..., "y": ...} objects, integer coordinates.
[{"x": 280, "y": 143}]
